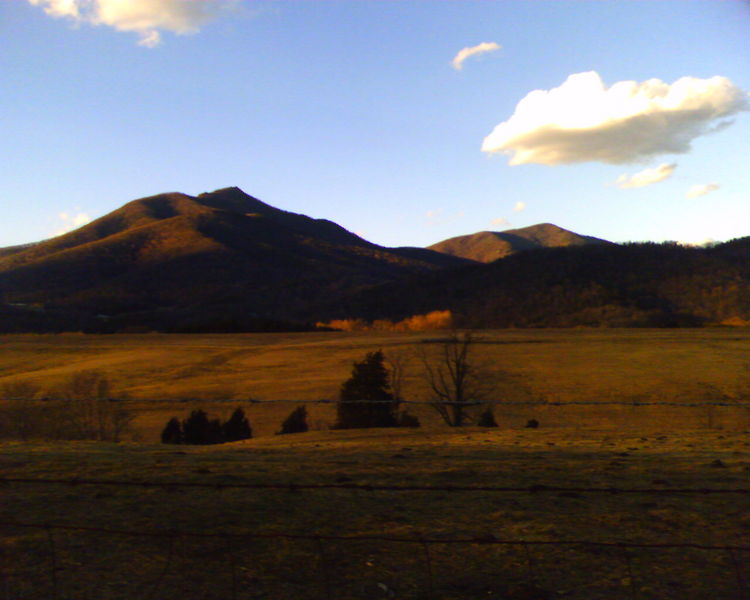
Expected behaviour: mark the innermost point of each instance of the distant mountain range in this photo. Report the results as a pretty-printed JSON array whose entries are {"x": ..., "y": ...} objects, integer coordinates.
[
  {"x": 225, "y": 261},
  {"x": 488, "y": 246}
]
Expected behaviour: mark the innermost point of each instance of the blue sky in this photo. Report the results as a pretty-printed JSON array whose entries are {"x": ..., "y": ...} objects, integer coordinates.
[{"x": 353, "y": 111}]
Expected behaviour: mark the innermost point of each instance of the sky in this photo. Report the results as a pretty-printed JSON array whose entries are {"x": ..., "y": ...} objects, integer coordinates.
[{"x": 405, "y": 121}]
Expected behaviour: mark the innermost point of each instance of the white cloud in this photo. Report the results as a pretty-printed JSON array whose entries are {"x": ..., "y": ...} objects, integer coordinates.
[
  {"x": 583, "y": 120},
  {"x": 145, "y": 17},
  {"x": 70, "y": 222},
  {"x": 519, "y": 206},
  {"x": 646, "y": 177},
  {"x": 701, "y": 190},
  {"x": 501, "y": 221},
  {"x": 483, "y": 48}
]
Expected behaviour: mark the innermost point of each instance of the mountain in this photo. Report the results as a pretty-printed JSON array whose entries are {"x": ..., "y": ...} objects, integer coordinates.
[
  {"x": 594, "y": 285},
  {"x": 174, "y": 261},
  {"x": 488, "y": 246}
]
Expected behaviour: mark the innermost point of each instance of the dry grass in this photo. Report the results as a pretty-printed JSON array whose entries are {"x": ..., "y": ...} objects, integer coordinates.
[
  {"x": 120, "y": 567},
  {"x": 620, "y": 446},
  {"x": 552, "y": 365}
]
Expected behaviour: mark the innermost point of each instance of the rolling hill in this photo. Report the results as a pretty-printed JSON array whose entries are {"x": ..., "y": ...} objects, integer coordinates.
[
  {"x": 174, "y": 261},
  {"x": 488, "y": 246},
  {"x": 594, "y": 285}
]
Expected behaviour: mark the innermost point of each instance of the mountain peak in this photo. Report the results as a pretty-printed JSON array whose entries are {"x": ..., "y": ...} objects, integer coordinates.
[
  {"x": 233, "y": 199},
  {"x": 488, "y": 246}
]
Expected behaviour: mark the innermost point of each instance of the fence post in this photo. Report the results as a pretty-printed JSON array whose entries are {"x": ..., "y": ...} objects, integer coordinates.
[
  {"x": 53, "y": 563},
  {"x": 324, "y": 568},
  {"x": 738, "y": 574},
  {"x": 629, "y": 566},
  {"x": 163, "y": 574},
  {"x": 428, "y": 563}
]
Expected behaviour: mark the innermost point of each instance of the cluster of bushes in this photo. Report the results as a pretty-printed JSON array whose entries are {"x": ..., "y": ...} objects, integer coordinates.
[{"x": 199, "y": 429}]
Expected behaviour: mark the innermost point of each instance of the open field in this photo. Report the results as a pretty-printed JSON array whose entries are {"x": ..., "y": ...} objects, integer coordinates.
[
  {"x": 681, "y": 365},
  {"x": 660, "y": 448},
  {"x": 118, "y": 566}
]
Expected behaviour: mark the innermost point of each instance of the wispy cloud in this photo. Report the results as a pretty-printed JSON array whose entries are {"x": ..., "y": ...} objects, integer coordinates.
[
  {"x": 500, "y": 222},
  {"x": 702, "y": 189},
  {"x": 68, "y": 222},
  {"x": 519, "y": 206},
  {"x": 483, "y": 48},
  {"x": 145, "y": 17},
  {"x": 584, "y": 121},
  {"x": 438, "y": 216},
  {"x": 646, "y": 177}
]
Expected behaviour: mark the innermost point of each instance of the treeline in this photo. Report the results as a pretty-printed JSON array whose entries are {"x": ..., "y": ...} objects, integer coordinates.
[{"x": 631, "y": 285}]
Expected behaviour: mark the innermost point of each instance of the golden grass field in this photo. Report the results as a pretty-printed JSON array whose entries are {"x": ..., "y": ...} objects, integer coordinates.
[
  {"x": 680, "y": 365},
  {"x": 580, "y": 446}
]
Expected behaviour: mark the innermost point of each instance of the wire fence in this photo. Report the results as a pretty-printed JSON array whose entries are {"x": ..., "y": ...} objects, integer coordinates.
[
  {"x": 60, "y": 570},
  {"x": 500, "y": 402}
]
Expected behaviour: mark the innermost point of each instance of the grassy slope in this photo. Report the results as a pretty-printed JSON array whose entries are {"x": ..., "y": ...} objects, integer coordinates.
[
  {"x": 121, "y": 567},
  {"x": 622, "y": 446},
  {"x": 562, "y": 366}
]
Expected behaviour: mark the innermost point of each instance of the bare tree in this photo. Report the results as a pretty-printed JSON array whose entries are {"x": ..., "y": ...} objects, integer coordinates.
[
  {"x": 89, "y": 413},
  {"x": 398, "y": 362},
  {"x": 20, "y": 413},
  {"x": 456, "y": 381}
]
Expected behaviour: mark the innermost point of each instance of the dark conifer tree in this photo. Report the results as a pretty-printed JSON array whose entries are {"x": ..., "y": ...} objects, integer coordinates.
[
  {"x": 365, "y": 399},
  {"x": 296, "y": 422},
  {"x": 237, "y": 427},
  {"x": 172, "y": 433},
  {"x": 196, "y": 429}
]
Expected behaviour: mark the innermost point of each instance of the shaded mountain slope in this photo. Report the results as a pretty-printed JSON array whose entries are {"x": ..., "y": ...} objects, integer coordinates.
[
  {"x": 488, "y": 246},
  {"x": 223, "y": 251},
  {"x": 593, "y": 285}
]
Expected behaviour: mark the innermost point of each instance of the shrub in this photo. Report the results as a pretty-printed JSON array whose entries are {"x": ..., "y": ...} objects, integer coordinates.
[
  {"x": 237, "y": 427},
  {"x": 172, "y": 432},
  {"x": 296, "y": 422},
  {"x": 487, "y": 419},
  {"x": 197, "y": 429},
  {"x": 532, "y": 424}
]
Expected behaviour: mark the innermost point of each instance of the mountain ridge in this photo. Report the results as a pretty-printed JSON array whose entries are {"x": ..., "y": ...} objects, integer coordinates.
[{"x": 488, "y": 246}]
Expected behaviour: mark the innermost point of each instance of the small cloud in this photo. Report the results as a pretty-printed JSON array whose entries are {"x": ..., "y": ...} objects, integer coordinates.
[
  {"x": 70, "y": 222},
  {"x": 519, "y": 206},
  {"x": 584, "y": 121},
  {"x": 646, "y": 177},
  {"x": 483, "y": 48},
  {"x": 145, "y": 17},
  {"x": 500, "y": 222},
  {"x": 701, "y": 190},
  {"x": 438, "y": 216}
]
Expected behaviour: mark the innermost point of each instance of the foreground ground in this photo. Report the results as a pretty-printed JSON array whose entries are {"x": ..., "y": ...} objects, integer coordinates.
[
  {"x": 124, "y": 562},
  {"x": 348, "y": 543}
]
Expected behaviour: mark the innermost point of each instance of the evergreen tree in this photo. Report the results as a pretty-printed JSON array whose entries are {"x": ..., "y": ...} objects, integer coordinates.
[
  {"x": 365, "y": 399},
  {"x": 237, "y": 427},
  {"x": 172, "y": 433},
  {"x": 296, "y": 422},
  {"x": 196, "y": 429}
]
